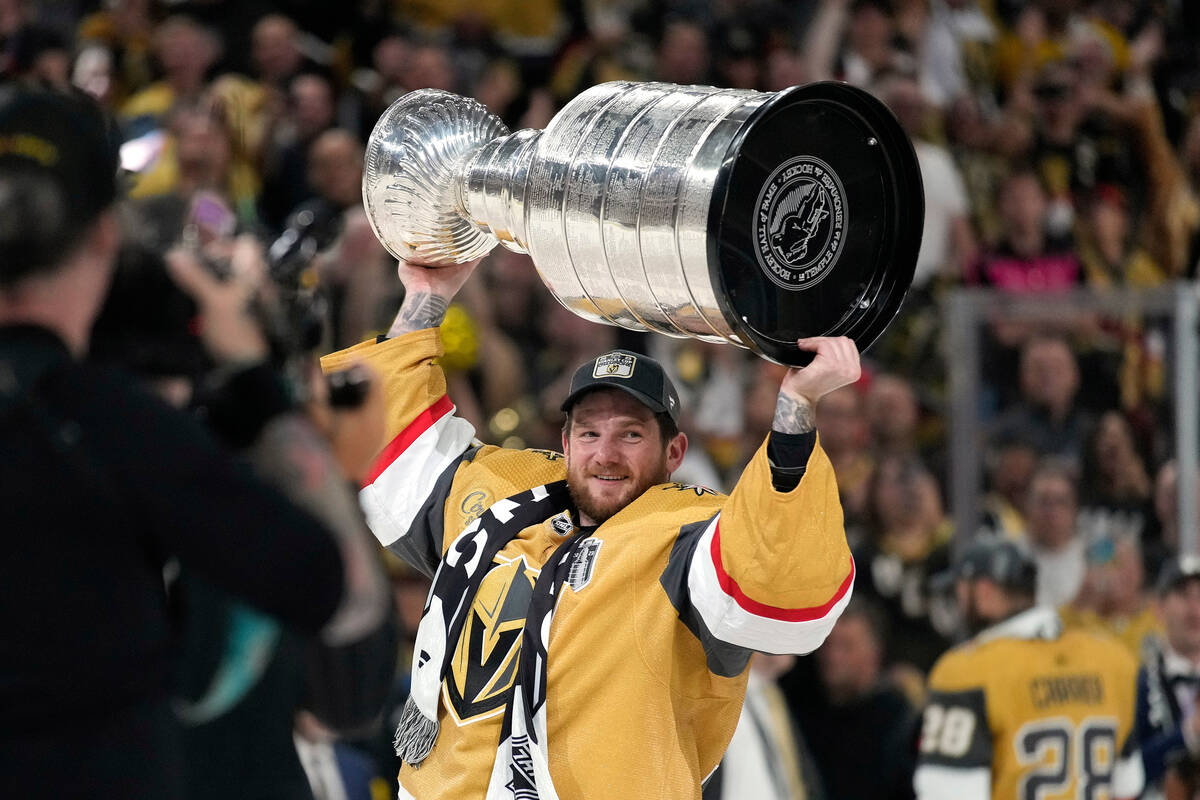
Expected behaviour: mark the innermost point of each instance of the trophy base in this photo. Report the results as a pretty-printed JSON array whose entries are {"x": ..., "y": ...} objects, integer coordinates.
[{"x": 850, "y": 209}]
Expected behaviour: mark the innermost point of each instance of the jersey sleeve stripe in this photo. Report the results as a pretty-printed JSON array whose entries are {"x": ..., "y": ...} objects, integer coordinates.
[
  {"x": 424, "y": 421},
  {"x": 731, "y": 588},
  {"x": 393, "y": 499},
  {"x": 733, "y": 618}
]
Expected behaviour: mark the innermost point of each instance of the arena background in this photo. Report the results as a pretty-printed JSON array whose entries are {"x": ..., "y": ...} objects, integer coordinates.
[{"x": 1050, "y": 331}]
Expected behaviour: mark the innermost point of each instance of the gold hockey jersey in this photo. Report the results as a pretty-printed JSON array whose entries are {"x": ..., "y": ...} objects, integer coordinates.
[
  {"x": 1025, "y": 711},
  {"x": 654, "y": 628}
]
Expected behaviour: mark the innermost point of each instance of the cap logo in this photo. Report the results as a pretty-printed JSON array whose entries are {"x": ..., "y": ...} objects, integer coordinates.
[
  {"x": 35, "y": 148},
  {"x": 614, "y": 365}
]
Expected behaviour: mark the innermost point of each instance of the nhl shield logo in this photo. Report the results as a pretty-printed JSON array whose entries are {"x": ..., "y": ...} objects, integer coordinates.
[
  {"x": 800, "y": 223},
  {"x": 614, "y": 365}
]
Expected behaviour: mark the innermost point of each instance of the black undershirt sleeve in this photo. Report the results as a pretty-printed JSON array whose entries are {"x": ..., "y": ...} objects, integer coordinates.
[{"x": 788, "y": 455}]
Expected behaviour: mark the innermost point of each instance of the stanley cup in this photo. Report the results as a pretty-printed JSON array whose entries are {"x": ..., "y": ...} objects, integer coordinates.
[{"x": 726, "y": 215}]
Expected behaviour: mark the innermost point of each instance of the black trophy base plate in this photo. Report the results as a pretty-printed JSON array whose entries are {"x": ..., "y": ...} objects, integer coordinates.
[{"x": 816, "y": 221}]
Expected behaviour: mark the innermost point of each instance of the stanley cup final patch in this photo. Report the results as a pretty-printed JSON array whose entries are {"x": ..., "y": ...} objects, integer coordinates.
[
  {"x": 579, "y": 574},
  {"x": 800, "y": 223},
  {"x": 614, "y": 365}
]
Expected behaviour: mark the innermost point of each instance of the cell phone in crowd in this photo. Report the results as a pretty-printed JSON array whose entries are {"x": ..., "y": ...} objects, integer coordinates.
[{"x": 209, "y": 220}]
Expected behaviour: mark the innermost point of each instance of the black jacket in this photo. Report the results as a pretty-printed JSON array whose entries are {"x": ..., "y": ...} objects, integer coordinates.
[{"x": 99, "y": 484}]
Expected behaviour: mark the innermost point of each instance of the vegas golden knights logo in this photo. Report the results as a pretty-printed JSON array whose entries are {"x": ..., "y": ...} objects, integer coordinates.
[{"x": 485, "y": 660}]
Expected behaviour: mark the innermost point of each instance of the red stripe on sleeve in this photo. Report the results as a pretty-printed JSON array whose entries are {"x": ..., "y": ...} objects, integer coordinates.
[
  {"x": 731, "y": 588},
  {"x": 406, "y": 437}
]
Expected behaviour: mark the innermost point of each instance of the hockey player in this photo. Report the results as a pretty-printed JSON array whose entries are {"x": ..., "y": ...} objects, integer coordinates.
[
  {"x": 1024, "y": 710},
  {"x": 590, "y": 623}
]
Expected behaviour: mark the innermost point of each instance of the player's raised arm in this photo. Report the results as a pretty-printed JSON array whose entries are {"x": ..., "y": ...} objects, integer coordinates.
[
  {"x": 424, "y": 440},
  {"x": 772, "y": 571}
]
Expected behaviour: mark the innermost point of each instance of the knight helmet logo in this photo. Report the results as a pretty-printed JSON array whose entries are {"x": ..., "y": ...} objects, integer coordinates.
[
  {"x": 800, "y": 223},
  {"x": 484, "y": 667}
]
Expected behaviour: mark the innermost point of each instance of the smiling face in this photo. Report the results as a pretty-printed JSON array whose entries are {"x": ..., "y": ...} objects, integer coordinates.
[{"x": 615, "y": 452}]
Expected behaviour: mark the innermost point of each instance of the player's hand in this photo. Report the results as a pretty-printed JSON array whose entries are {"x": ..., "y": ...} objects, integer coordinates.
[
  {"x": 442, "y": 281},
  {"x": 427, "y": 294},
  {"x": 835, "y": 365},
  {"x": 228, "y": 328}
]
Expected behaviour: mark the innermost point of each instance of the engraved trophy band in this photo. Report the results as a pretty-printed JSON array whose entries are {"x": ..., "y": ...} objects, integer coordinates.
[{"x": 721, "y": 214}]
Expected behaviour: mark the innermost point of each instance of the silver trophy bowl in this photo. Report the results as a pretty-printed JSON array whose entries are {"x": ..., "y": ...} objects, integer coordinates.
[{"x": 726, "y": 215}]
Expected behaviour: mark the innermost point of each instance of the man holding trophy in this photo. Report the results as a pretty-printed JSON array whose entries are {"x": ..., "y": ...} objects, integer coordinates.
[{"x": 590, "y": 623}]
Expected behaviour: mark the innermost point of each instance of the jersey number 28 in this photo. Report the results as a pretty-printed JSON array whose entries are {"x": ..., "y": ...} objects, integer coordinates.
[{"x": 1062, "y": 751}]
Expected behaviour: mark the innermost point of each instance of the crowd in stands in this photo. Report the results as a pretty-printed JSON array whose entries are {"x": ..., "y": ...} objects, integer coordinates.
[{"x": 1059, "y": 144}]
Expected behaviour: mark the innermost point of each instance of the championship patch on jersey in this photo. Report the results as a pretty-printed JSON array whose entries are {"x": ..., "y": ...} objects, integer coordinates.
[
  {"x": 579, "y": 574},
  {"x": 484, "y": 668},
  {"x": 614, "y": 365}
]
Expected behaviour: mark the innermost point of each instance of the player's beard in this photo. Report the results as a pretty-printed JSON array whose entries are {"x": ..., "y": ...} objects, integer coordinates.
[{"x": 598, "y": 508}]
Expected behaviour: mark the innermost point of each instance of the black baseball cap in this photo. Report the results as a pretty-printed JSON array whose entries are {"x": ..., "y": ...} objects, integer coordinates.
[
  {"x": 637, "y": 375},
  {"x": 1003, "y": 561},
  {"x": 66, "y": 135},
  {"x": 1178, "y": 571}
]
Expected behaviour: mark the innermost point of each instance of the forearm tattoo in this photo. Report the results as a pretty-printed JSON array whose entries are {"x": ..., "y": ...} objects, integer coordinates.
[
  {"x": 792, "y": 415},
  {"x": 420, "y": 310}
]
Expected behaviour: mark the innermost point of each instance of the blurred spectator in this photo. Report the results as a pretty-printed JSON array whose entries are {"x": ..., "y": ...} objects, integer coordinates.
[
  {"x": 683, "y": 54},
  {"x": 785, "y": 68},
  {"x": 957, "y": 53},
  {"x": 854, "y": 41},
  {"x": 871, "y": 756},
  {"x": 1117, "y": 496},
  {"x": 1047, "y": 31},
  {"x": 1054, "y": 539},
  {"x": 430, "y": 67},
  {"x": 758, "y": 408},
  {"x": 310, "y": 112},
  {"x": 842, "y": 426},
  {"x": 737, "y": 57},
  {"x": 1111, "y": 599},
  {"x": 185, "y": 50},
  {"x": 982, "y": 143},
  {"x": 1107, "y": 247},
  {"x": 275, "y": 51},
  {"x": 198, "y": 161},
  {"x": 712, "y": 380},
  {"x": 92, "y": 73},
  {"x": 892, "y": 413},
  {"x": 611, "y": 51},
  {"x": 356, "y": 271},
  {"x": 1026, "y": 259},
  {"x": 1010, "y": 466},
  {"x": 242, "y": 676},
  {"x": 114, "y": 483},
  {"x": 123, "y": 29},
  {"x": 767, "y": 757},
  {"x": 335, "y": 770},
  {"x": 907, "y": 543},
  {"x": 1166, "y": 510},
  {"x": 1168, "y": 727},
  {"x": 39, "y": 54},
  {"x": 948, "y": 244},
  {"x": 1047, "y": 415}
]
